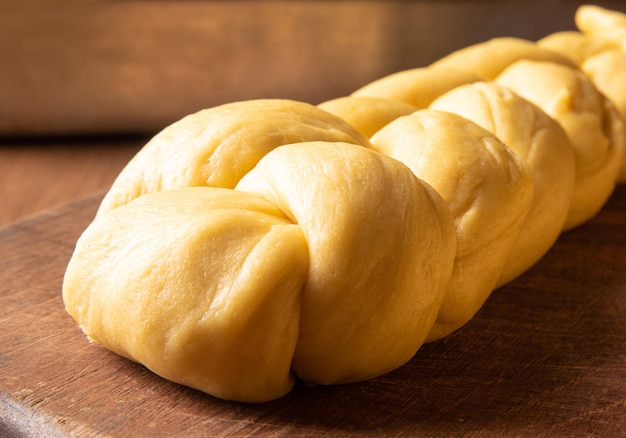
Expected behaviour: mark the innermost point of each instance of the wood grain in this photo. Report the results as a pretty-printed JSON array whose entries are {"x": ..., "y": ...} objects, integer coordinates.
[
  {"x": 36, "y": 175},
  {"x": 546, "y": 356}
]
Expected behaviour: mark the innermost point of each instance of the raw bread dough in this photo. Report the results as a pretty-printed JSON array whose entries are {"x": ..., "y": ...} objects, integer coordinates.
[
  {"x": 540, "y": 141},
  {"x": 487, "y": 188},
  {"x": 594, "y": 128},
  {"x": 217, "y": 146},
  {"x": 367, "y": 114}
]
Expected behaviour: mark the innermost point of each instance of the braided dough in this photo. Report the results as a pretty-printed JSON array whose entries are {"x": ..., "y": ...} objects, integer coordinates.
[
  {"x": 217, "y": 146},
  {"x": 490, "y": 58},
  {"x": 600, "y": 58},
  {"x": 257, "y": 242},
  {"x": 381, "y": 243},
  {"x": 594, "y": 128},
  {"x": 538, "y": 140},
  {"x": 209, "y": 303},
  {"x": 366, "y": 113},
  {"x": 238, "y": 286},
  {"x": 418, "y": 86},
  {"x": 482, "y": 182}
]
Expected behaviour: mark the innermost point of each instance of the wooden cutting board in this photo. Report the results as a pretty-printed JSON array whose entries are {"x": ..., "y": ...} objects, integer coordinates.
[{"x": 545, "y": 356}]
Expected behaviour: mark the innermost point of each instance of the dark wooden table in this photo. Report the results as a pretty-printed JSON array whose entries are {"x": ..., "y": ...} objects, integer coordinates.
[
  {"x": 546, "y": 355},
  {"x": 39, "y": 174}
]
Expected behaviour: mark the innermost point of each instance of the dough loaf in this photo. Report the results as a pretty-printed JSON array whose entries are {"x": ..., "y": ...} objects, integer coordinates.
[{"x": 260, "y": 242}]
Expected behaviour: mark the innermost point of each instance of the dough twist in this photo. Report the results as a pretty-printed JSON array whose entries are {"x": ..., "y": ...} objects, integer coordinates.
[
  {"x": 328, "y": 260},
  {"x": 599, "y": 49},
  {"x": 542, "y": 143},
  {"x": 217, "y": 146}
]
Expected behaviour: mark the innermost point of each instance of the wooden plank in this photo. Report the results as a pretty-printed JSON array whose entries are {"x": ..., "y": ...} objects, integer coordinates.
[
  {"x": 546, "y": 355},
  {"x": 38, "y": 174}
]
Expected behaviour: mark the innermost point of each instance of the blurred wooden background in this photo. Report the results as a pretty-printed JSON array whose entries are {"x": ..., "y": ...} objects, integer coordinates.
[{"x": 89, "y": 66}]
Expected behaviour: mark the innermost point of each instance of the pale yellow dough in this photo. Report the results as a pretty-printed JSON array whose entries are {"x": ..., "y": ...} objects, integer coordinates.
[
  {"x": 261, "y": 241},
  {"x": 417, "y": 87},
  {"x": 599, "y": 22},
  {"x": 381, "y": 248},
  {"x": 201, "y": 285},
  {"x": 489, "y": 58},
  {"x": 542, "y": 143},
  {"x": 594, "y": 128},
  {"x": 329, "y": 261},
  {"x": 607, "y": 70},
  {"x": 365, "y": 113},
  {"x": 487, "y": 188},
  {"x": 603, "y": 61},
  {"x": 217, "y": 146},
  {"x": 575, "y": 45}
]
